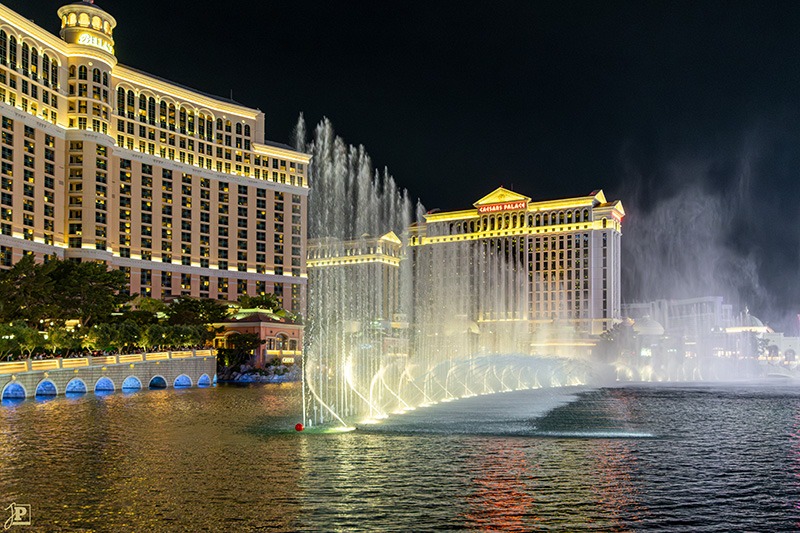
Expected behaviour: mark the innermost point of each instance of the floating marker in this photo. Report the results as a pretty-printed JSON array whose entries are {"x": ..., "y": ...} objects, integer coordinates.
[{"x": 298, "y": 427}]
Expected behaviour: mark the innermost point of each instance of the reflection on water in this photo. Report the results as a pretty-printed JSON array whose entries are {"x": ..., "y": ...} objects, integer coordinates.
[
  {"x": 500, "y": 498},
  {"x": 228, "y": 459}
]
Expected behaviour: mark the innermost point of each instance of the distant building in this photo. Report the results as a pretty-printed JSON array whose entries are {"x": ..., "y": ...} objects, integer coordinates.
[
  {"x": 566, "y": 252},
  {"x": 283, "y": 337},
  {"x": 356, "y": 284},
  {"x": 688, "y": 317},
  {"x": 703, "y": 326},
  {"x": 103, "y": 162},
  {"x": 369, "y": 262}
]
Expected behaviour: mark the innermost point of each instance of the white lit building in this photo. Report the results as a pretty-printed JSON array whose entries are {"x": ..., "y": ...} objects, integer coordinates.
[{"x": 103, "y": 162}]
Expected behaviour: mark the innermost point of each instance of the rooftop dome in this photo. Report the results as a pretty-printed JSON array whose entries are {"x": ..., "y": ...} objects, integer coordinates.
[
  {"x": 86, "y": 24},
  {"x": 647, "y": 326},
  {"x": 751, "y": 321}
]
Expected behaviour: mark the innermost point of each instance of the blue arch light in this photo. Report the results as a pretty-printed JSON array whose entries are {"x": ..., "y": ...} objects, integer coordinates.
[
  {"x": 182, "y": 381},
  {"x": 131, "y": 383},
  {"x": 46, "y": 388},
  {"x": 76, "y": 386},
  {"x": 14, "y": 391},
  {"x": 104, "y": 385}
]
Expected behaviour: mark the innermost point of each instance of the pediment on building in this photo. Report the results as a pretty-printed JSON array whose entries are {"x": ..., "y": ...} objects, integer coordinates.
[
  {"x": 391, "y": 237},
  {"x": 501, "y": 195}
]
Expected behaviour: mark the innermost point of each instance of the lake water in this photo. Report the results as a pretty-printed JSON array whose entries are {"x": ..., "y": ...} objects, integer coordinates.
[{"x": 660, "y": 458}]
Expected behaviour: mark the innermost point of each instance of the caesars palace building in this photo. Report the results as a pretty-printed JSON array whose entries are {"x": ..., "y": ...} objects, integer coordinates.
[
  {"x": 566, "y": 252},
  {"x": 103, "y": 162}
]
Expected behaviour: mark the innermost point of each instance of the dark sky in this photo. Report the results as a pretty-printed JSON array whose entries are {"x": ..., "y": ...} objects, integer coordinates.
[{"x": 660, "y": 104}]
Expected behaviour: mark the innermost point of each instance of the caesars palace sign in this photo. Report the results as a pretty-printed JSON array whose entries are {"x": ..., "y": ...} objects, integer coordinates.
[{"x": 506, "y": 206}]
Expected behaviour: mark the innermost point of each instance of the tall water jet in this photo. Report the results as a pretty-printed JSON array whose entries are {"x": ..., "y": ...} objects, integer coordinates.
[{"x": 355, "y": 313}]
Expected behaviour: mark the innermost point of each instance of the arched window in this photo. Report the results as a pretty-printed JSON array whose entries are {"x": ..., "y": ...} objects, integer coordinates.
[
  {"x": 73, "y": 19},
  {"x": 228, "y": 126},
  {"x": 46, "y": 69},
  {"x": 12, "y": 51},
  {"x": 151, "y": 111},
  {"x": 247, "y": 130},
  {"x": 209, "y": 128},
  {"x": 281, "y": 341},
  {"x": 72, "y": 71},
  {"x": 201, "y": 125},
  {"x": 171, "y": 117},
  {"x": 54, "y": 74},
  {"x": 96, "y": 75},
  {"x": 83, "y": 19},
  {"x": 182, "y": 120},
  {"x": 105, "y": 79},
  {"x": 238, "y": 128},
  {"x": 3, "y": 47},
  {"x": 190, "y": 122},
  {"x": 83, "y": 72},
  {"x": 131, "y": 101},
  {"x": 120, "y": 101},
  {"x": 25, "y": 58},
  {"x": 97, "y": 23},
  {"x": 605, "y": 222},
  {"x": 142, "y": 102},
  {"x": 34, "y": 63},
  {"x": 585, "y": 215},
  {"x": 162, "y": 114}
]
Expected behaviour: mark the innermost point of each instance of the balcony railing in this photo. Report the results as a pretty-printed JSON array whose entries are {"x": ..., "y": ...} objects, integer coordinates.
[{"x": 15, "y": 367}]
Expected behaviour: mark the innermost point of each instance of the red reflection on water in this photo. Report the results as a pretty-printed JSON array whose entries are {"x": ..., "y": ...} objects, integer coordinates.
[
  {"x": 500, "y": 499},
  {"x": 613, "y": 486}
]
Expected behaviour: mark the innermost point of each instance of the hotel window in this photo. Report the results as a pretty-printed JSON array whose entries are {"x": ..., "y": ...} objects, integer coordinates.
[{"x": 25, "y": 58}]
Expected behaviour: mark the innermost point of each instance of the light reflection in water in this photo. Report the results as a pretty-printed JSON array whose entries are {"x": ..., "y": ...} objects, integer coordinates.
[
  {"x": 500, "y": 499},
  {"x": 228, "y": 459}
]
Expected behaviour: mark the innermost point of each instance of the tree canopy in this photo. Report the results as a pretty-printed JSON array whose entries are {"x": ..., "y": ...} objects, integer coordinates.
[{"x": 56, "y": 290}]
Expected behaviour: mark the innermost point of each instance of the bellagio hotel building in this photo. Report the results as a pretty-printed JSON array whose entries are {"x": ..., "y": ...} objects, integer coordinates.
[{"x": 103, "y": 162}]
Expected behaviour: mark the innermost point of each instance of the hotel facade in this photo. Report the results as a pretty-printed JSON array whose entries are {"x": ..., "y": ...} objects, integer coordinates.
[
  {"x": 103, "y": 162},
  {"x": 565, "y": 253}
]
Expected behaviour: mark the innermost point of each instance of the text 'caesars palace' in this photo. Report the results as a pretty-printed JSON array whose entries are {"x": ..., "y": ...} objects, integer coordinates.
[{"x": 103, "y": 162}]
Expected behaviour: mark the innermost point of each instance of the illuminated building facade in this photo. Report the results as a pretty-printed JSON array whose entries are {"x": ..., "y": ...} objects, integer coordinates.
[
  {"x": 540, "y": 263},
  {"x": 103, "y": 162},
  {"x": 690, "y": 317},
  {"x": 369, "y": 261}
]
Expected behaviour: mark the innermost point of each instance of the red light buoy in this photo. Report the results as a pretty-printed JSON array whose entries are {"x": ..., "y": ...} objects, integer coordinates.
[{"x": 298, "y": 427}]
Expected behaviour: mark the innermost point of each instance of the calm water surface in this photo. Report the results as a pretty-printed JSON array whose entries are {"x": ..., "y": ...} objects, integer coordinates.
[{"x": 660, "y": 458}]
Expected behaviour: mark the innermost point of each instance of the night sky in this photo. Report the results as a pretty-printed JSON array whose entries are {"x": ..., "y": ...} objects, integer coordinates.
[{"x": 686, "y": 111}]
